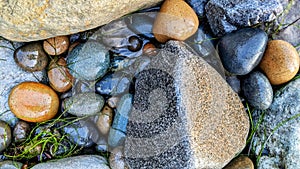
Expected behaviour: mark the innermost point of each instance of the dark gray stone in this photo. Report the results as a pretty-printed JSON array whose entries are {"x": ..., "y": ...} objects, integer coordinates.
[
  {"x": 88, "y": 61},
  {"x": 11, "y": 75},
  {"x": 257, "y": 90},
  {"x": 141, "y": 23},
  {"x": 5, "y": 135},
  {"x": 198, "y": 6},
  {"x": 241, "y": 51},
  {"x": 225, "y": 16},
  {"x": 282, "y": 146},
  {"x": 10, "y": 164},
  {"x": 84, "y": 104},
  {"x": 234, "y": 83},
  {"x": 113, "y": 84},
  {"x": 77, "y": 162},
  {"x": 21, "y": 130},
  {"x": 82, "y": 133}
]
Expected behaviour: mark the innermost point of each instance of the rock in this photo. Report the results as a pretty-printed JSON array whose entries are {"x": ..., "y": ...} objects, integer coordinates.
[
  {"x": 31, "y": 57},
  {"x": 184, "y": 114},
  {"x": 202, "y": 44},
  {"x": 225, "y": 16},
  {"x": 257, "y": 90},
  {"x": 21, "y": 131},
  {"x": 102, "y": 145},
  {"x": 198, "y": 6},
  {"x": 234, "y": 83},
  {"x": 242, "y": 50},
  {"x": 279, "y": 130},
  {"x": 5, "y": 135},
  {"x": 31, "y": 21},
  {"x": 11, "y": 75},
  {"x": 118, "y": 131},
  {"x": 33, "y": 102},
  {"x": 135, "y": 44},
  {"x": 84, "y": 104},
  {"x": 150, "y": 50},
  {"x": 59, "y": 76},
  {"x": 113, "y": 101},
  {"x": 57, "y": 45},
  {"x": 82, "y": 133},
  {"x": 78, "y": 162},
  {"x": 175, "y": 20},
  {"x": 120, "y": 63},
  {"x": 88, "y": 61},
  {"x": 105, "y": 120},
  {"x": 280, "y": 62},
  {"x": 241, "y": 162},
  {"x": 141, "y": 23},
  {"x": 7, "y": 164},
  {"x": 113, "y": 84},
  {"x": 116, "y": 158}
]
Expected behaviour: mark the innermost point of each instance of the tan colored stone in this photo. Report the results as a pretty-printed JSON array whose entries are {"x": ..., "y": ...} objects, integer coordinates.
[
  {"x": 57, "y": 45},
  {"x": 176, "y": 20},
  {"x": 280, "y": 62},
  {"x": 241, "y": 162},
  {"x": 29, "y": 20},
  {"x": 105, "y": 120}
]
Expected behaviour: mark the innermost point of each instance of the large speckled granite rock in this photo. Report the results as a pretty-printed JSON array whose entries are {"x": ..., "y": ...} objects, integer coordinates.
[
  {"x": 34, "y": 20},
  {"x": 184, "y": 115},
  {"x": 281, "y": 149},
  {"x": 77, "y": 162},
  {"x": 11, "y": 75}
]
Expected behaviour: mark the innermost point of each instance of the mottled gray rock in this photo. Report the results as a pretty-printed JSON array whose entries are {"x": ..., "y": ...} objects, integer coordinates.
[
  {"x": 225, "y": 16},
  {"x": 11, "y": 75},
  {"x": 282, "y": 147},
  {"x": 10, "y": 165},
  {"x": 34, "y": 20},
  {"x": 184, "y": 114},
  {"x": 77, "y": 162}
]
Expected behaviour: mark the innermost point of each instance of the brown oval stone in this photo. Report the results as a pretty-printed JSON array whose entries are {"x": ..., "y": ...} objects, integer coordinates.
[
  {"x": 105, "y": 120},
  {"x": 280, "y": 62},
  {"x": 241, "y": 162},
  {"x": 175, "y": 20},
  {"x": 59, "y": 77},
  {"x": 149, "y": 49},
  {"x": 57, "y": 45},
  {"x": 33, "y": 102}
]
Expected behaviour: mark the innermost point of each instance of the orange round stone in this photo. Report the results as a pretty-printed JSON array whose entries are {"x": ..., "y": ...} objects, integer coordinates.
[
  {"x": 59, "y": 76},
  {"x": 33, "y": 102},
  {"x": 57, "y": 45}
]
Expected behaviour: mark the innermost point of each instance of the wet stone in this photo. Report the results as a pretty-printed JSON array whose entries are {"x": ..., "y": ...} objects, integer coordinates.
[
  {"x": 120, "y": 63},
  {"x": 113, "y": 84},
  {"x": 21, "y": 130},
  {"x": 135, "y": 44},
  {"x": 116, "y": 158},
  {"x": 7, "y": 164},
  {"x": 234, "y": 83},
  {"x": 241, "y": 162},
  {"x": 31, "y": 57},
  {"x": 241, "y": 51},
  {"x": 257, "y": 90},
  {"x": 5, "y": 135},
  {"x": 105, "y": 119},
  {"x": 56, "y": 45},
  {"x": 101, "y": 144},
  {"x": 141, "y": 24},
  {"x": 84, "y": 104},
  {"x": 88, "y": 61},
  {"x": 198, "y": 6},
  {"x": 113, "y": 101}
]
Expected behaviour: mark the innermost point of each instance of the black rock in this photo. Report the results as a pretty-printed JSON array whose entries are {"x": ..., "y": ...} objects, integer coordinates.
[
  {"x": 113, "y": 84},
  {"x": 241, "y": 51},
  {"x": 257, "y": 90}
]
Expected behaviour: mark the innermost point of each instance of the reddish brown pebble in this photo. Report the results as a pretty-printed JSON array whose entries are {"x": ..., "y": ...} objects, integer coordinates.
[
  {"x": 149, "y": 50},
  {"x": 280, "y": 62},
  {"x": 59, "y": 77},
  {"x": 33, "y": 102},
  {"x": 57, "y": 45}
]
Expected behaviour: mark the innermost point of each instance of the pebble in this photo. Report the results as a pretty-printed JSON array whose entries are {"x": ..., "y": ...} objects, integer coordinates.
[
  {"x": 33, "y": 102},
  {"x": 257, "y": 90},
  {"x": 176, "y": 20},
  {"x": 150, "y": 50},
  {"x": 105, "y": 120},
  {"x": 135, "y": 44},
  {"x": 102, "y": 145},
  {"x": 82, "y": 133},
  {"x": 113, "y": 84},
  {"x": 56, "y": 45},
  {"x": 120, "y": 63},
  {"x": 88, "y": 61},
  {"x": 5, "y": 135},
  {"x": 31, "y": 57},
  {"x": 113, "y": 101},
  {"x": 280, "y": 62},
  {"x": 59, "y": 77},
  {"x": 116, "y": 158},
  {"x": 234, "y": 83},
  {"x": 7, "y": 164},
  {"x": 84, "y": 104},
  {"x": 241, "y": 162},
  {"x": 241, "y": 51},
  {"x": 21, "y": 131},
  {"x": 141, "y": 24}
]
